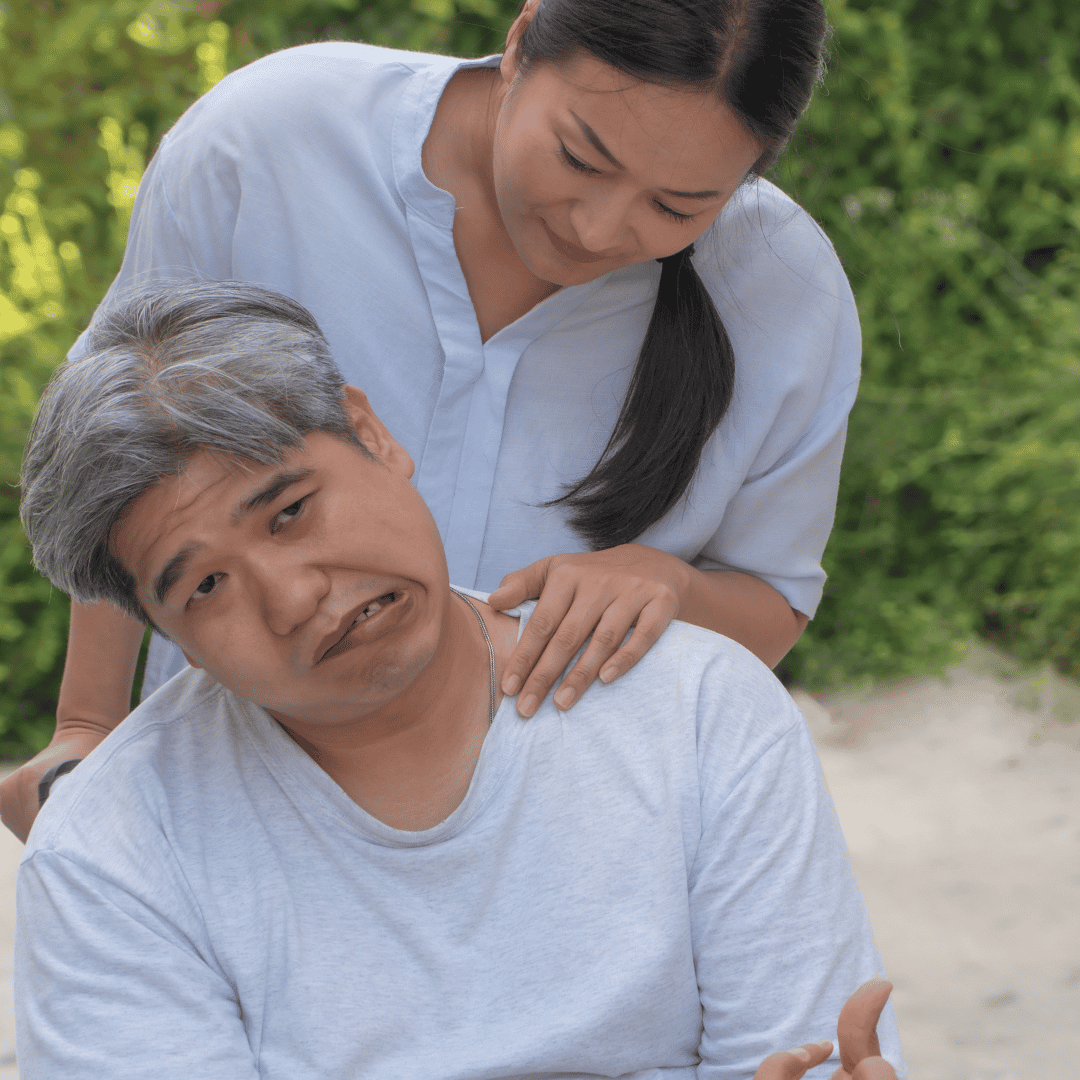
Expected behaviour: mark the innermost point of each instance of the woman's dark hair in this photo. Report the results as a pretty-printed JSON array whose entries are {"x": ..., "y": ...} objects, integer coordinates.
[{"x": 763, "y": 58}]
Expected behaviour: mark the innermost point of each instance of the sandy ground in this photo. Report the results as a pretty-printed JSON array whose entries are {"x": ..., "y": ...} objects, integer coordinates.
[{"x": 960, "y": 799}]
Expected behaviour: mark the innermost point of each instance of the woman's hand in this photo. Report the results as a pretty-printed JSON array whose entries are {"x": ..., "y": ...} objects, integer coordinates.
[
  {"x": 608, "y": 593},
  {"x": 95, "y": 695},
  {"x": 602, "y": 593},
  {"x": 857, "y": 1033},
  {"x": 19, "y": 791}
]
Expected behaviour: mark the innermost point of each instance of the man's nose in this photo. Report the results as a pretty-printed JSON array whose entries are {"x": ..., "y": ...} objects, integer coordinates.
[{"x": 290, "y": 590}]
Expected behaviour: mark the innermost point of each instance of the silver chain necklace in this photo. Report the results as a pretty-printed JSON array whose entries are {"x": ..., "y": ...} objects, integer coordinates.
[{"x": 491, "y": 653}]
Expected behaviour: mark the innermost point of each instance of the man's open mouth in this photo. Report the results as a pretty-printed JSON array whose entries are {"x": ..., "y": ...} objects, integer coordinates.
[{"x": 378, "y": 604}]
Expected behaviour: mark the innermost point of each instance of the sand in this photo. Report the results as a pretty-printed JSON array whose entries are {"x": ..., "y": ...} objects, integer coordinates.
[{"x": 960, "y": 799}]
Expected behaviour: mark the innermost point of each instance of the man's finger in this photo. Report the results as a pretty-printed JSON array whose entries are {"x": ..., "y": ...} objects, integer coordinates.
[
  {"x": 521, "y": 585},
  {"x": 874, "y": 1068},
  {"x": 856, "y": 1030},
  {"x": 793, "y": 1064}
]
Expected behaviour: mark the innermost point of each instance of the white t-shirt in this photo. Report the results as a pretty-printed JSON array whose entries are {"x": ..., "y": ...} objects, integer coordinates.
[
  {"x": 302, "y": 172},
  {"x": 652, "y": 886}
]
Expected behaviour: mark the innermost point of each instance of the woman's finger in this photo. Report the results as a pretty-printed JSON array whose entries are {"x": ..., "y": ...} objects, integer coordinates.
[
  {"x": 856, "y": 1030},
  {"x": 547, "y": 624},
  {"x": 654, "y": 619},
  {"x": 520, "y": 585},
  {"x": 792, "y": 1064},
  {"x": 610, "y": 653},
  {"x": 564, "y": 640}
]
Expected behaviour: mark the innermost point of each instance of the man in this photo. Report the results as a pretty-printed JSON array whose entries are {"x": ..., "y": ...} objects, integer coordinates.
[{"x": 327, "y": 851}]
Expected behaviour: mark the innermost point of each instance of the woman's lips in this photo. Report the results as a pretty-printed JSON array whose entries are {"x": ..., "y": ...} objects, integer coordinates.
[
  {"x": 570, "y": 251},
  {"x": 392, "y": 608}
]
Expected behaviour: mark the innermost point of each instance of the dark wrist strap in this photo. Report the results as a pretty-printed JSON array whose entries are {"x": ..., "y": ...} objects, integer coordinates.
[{"x": 46, "y": 782}]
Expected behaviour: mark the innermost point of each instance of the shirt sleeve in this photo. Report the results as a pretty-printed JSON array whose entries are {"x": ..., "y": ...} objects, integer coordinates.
[
  {"x": 781, "y": 934},
  {"x": 777, "y": 525},
  {"x": 790, "y": 314},
  {"x": 108, "y": 986}
]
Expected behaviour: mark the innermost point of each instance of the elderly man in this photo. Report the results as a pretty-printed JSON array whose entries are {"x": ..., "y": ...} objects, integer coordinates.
[{"x": 327, "y": 850}]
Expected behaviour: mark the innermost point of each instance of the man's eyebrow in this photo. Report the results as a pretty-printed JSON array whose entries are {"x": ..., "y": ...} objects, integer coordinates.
[
  {"x": 601, "y": 148},
  {"x": 270, "y": 491},
  {"x": 172, "y": 571}
]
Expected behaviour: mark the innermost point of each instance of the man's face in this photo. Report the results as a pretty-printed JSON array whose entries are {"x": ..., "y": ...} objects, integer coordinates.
[{"x": 315, "y": 587}]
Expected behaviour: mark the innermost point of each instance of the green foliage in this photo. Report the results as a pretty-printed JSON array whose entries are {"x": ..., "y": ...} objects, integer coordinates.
[
  {"x": 943, "y": 159},
  {"x": 942, "y": 156}
]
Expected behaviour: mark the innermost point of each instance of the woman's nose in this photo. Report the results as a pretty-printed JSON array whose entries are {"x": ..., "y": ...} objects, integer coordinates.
[{"x": 601, "y": 223}]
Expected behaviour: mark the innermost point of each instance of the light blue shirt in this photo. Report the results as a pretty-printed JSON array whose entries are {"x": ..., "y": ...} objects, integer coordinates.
[{"x": 302, "y": 172}]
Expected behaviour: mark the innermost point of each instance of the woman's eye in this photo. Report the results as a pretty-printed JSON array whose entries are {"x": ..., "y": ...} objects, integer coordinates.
[
  {"x": 672, "y": 213},
  {"x": 283, "y": 517},
  {"x": 575, "y": 163}
]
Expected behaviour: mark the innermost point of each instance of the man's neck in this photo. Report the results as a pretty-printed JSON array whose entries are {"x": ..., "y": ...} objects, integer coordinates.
[{"x": 411, "y": 763}]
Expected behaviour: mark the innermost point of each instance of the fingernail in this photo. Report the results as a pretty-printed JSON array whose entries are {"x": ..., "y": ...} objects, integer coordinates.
[
  {"x": 565, "y": 697},
  {"x": 608, "y": 674},
  {"x": 799, "y": 1052},
  {"x": 511, "y": 685},
  {"x": 825, "y": 1042},
  {"x": 528, "y": 706}
]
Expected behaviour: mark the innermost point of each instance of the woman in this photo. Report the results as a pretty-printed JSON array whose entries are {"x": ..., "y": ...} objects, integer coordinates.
[{"x": 488, "y": 246}]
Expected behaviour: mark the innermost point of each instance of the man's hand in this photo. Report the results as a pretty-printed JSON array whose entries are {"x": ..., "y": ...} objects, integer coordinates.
[
  {"x": 19, "y": 792},
  {"x": 859, "y": 1049},
  {"x": 856, "y": 1032}
]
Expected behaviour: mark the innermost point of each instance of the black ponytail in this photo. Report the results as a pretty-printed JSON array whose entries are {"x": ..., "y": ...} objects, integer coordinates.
[
  {"x": 763, "y": 58},
  {"x": 679, "y": 392}
]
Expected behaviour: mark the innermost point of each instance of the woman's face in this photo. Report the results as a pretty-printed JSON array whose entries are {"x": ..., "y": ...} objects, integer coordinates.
[{"x": 595, "y": 169}]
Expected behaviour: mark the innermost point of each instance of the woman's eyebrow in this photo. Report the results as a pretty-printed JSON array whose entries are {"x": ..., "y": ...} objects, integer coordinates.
[
  {"x": 270, "y": 491},
  {"x": 595, "y": 140},
  {"x": 601, "y": 148}
]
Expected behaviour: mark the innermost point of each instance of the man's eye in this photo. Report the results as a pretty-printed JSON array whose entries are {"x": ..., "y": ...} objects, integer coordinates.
[
  {"x": 283, "y": 517},
  {"x": 206, "y": 586}
]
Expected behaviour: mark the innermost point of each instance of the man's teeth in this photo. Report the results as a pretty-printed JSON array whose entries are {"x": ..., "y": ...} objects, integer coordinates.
[{"x": 374, "y": 607}]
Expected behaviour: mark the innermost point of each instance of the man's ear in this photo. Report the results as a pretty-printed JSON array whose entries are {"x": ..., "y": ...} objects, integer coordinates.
[
  {"x": 508, "y": 64},
  {"x": 371, "y": 431}
]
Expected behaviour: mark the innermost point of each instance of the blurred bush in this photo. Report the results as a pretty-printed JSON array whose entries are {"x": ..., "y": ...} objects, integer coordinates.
[{"x": 942, "y": 157}]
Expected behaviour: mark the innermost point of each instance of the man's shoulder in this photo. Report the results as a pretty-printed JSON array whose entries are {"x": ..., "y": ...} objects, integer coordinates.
[
  {"x": 156, "y": 760},
  {"x": 717, "y": 678},
  {"x": 696, "y": 688}
]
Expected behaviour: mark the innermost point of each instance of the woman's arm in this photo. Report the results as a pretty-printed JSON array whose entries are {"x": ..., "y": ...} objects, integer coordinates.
[
  {"x": 95, "y": 695},
  {"x": 744, "y": 608},
  {"x": 608, "y": 593}
]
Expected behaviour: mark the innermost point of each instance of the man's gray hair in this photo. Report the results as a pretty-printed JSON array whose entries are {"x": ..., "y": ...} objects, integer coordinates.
[{"x": 171, "y": 370}]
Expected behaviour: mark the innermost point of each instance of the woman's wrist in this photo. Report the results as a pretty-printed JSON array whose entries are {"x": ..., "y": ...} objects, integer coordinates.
[{"x": 48, "y": 781}]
